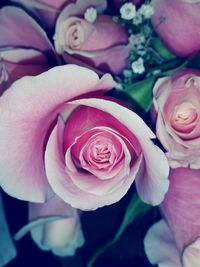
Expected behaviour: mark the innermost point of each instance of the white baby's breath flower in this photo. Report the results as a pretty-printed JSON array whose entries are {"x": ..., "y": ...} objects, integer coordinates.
[
  {"x": 137, "y": 39},
  {"x": 128, "y": 11},
  {"x": 137, "y": 19},
  {"x": 138, "y": 66},
  {"x": 127, "y": 73},
  {"x": 119, "y": 86},
  {"x": 90, "y": 15},
  {"x": 146, "y": 10}
]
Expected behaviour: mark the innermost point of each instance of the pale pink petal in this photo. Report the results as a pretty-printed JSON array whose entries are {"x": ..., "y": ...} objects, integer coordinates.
[
  {"x": 160, "y": 246},
  {"x": 24, "y": 128},
  {"x": 181, "y": 206},
  {"x": 191, "y": 254}
]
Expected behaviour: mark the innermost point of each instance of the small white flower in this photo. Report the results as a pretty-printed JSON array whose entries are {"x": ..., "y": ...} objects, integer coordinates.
[
  {"x": 146, "y": 10},
  {"x": 128, "y": 11},
  {"x": 137, "y": 39},
  {"x": 155, "y": 72},
  {"x": 137, "y": 19},
  {"x": 138, "y": 66},
  {"x": 90, "y": 15},
  {"x": 119, "y": 86},
  {"x": 127, "y": 73}
]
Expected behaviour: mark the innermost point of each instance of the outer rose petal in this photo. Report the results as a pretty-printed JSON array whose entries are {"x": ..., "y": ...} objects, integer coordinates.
[
  {"x": 25, "y": 127},
  {"x": 191, "y": 254},
  {"x": 181, "y": 206},
  {"x": 11, "y": 20},
  {"x": 55, "y": 226},
  {"x": 62, "y": 236},
  {"x": 181, "y": 25},
  {"x": 160, "y": 246},
  {"x": 155, "y": 179}
]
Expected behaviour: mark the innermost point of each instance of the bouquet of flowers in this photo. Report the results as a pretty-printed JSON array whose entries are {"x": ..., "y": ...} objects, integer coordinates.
[{"x": 99, "y": 139}]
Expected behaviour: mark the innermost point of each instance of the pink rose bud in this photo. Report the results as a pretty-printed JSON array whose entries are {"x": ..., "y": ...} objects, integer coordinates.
[
  {"x": 94, "y": 41},
  {"x": 175, "y": 241},
  {"x": 54, "y": 226},
  {"x": 59, "y": 136},
  {"x": 176, "y": 103},
  {"x": 48, "y": 10},
  {"x": 26, "y": 52},
  {"x": 177, "y": 23}
]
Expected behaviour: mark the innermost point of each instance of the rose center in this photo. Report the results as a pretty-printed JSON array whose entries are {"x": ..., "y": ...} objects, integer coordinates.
[
  {"x": 74, "y": 36},
  {"x": 100, "y": 152},
  {"x": 184, "y": 117}
]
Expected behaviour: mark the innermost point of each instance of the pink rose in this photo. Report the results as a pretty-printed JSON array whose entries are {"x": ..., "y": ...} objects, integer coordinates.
[
  {"x": 175, "y": 241},
  {"x": 24, "y": 53},
  {"x": 180, "y": 30},
  {"x": 88, "y": 151},
  {"x": 48, "y": 10},
  {"x": 54, "y": 226},
  {"x": 101, "y": 44},
  {"x": 177, "y": 102}
]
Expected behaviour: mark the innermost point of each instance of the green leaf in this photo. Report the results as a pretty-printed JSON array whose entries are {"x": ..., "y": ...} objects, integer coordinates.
[
  {"x": 135, "y": 207},
  {"x": 141, "y": 91},
  {"x": 159, "y": 47}
]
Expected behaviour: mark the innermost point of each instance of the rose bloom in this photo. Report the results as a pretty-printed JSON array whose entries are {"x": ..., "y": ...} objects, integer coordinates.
[
  {"x": 180, "y": 30},
  {"x": 48, "y": 10},
  {"x": 27, "y": 52},
  {"x": 58, "y": 138},
  {"x": 54, "y": 226},
  {"x": 175, "y": 241},
  {"x": 101, "y": 44},
  {"x": 177, "y": 102}
]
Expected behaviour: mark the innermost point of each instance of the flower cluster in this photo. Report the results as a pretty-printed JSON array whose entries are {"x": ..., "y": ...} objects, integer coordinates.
[{"x": 70, "y": 144}]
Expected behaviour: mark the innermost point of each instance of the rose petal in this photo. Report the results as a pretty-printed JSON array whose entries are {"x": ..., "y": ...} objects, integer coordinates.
[
  {"x": 24, "y": 128},
  {"x": 13, "y": 19},
  {"x": 191, "y": 254},
  {"x": 160, "y": 246}
]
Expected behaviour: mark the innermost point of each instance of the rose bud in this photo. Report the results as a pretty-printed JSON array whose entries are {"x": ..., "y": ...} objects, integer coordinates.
[
  {"x": 54, "y": 226},
  {"x": 84, "y": 37},
  {"x": 175, "y": 241},
  {"x": 177, "y": 23},
  {"x": 27, "y": 52},
  {"x": 176, "y": 103},
  {"x": 59, "y": 136},
  {"x": 47, "y": 10}
]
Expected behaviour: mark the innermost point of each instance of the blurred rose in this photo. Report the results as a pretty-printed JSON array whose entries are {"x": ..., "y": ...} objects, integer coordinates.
[
  {"x": 48, "y": 10},
  {"x": 180, "y": 29},
  {"x": 118, "y": 3},
  {"x": 101, "y": 44},
  {"x": 25, "y": 52},
  {"x": 90, "y": 150},
  {"x": 176, "y": 242},
  {"x": 54, "y": 226},
  {"x": 177, "y": 103}
]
